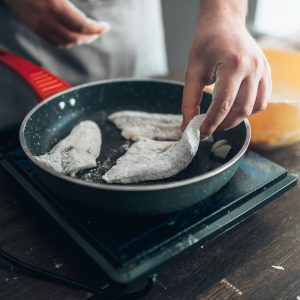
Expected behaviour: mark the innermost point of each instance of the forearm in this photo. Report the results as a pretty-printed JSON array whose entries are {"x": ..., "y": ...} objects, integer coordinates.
[{"x": 223, "y": 10}]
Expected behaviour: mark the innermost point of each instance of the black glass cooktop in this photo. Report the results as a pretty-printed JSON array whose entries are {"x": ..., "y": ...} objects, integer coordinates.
[{"x": 128, "y": 248}]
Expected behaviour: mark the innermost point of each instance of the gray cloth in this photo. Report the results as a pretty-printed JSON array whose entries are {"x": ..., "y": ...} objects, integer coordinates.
[{"x": 134, "y": 47}]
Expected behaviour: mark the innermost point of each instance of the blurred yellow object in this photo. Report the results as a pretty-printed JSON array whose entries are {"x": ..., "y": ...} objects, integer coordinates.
[{"x": 279, "y": 125}]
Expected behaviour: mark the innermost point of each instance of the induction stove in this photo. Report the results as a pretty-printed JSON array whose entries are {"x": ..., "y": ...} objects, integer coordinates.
[{"x": 131, "y": 248}]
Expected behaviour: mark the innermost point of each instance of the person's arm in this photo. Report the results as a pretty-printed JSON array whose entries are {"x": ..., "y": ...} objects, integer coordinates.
[
  {"x": 224, "y": 52},
  {"x": 57, "y": 21}
]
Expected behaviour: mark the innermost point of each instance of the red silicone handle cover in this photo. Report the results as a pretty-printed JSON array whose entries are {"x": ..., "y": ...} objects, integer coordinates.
[{"x": 42, "y": 82}]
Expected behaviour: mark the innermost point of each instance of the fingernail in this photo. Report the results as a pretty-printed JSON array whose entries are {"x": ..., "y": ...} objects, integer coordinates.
[
  {"x": 204, "y": 137},
  {"x": 185, "y": 122},
  {"x": 105, "y": 26},
  {"x": 182, "y": 126}
]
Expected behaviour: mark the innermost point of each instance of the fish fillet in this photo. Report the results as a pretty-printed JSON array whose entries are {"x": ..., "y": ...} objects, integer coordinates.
[
  {"x": 137, "y": 124},
  {"x": 152, "y": 160},
  {"x": 78, "y": 151}
]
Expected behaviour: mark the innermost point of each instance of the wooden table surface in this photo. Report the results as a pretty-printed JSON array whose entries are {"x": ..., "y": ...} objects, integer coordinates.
[{"x": 236, "y": 265}]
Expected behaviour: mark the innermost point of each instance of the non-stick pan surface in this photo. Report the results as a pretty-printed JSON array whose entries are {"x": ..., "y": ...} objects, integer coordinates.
[
  {"x": 53, "y": 119},
  {"x": 48, "y": 123}
]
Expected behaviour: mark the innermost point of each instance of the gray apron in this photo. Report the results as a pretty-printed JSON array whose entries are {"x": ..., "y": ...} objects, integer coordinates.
[{"x": 134, "y": 47}]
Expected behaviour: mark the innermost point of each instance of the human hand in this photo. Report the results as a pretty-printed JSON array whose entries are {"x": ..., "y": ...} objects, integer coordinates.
[
  {"x": 225, "y": 53},
  {"x": 58, "y": 21}
]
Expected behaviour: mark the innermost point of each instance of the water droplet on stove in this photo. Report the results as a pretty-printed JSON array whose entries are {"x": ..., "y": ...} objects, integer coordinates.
[
  {"x": 58, "y": 266},
  {"x": 172, "y": 223}
]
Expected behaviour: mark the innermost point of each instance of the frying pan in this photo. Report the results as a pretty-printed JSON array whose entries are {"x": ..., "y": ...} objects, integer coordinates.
[{"x": 51, "y": 120}]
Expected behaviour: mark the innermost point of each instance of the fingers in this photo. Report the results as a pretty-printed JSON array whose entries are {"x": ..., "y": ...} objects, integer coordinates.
[
  {"x": 58, "y": 21},
  {"x": 62, "y": 37},
  {"x": 67, "y": 26},
  {"x": 192, "y": 94},
  {"x": 224, "y": 95},
  {"x": 252, "y": 97},
  {"x": 243, "y": 104},
  {"x": 262, "y": 96},
  {"x": 76, "y": 21},
  {"x": 264, "y": 90}
]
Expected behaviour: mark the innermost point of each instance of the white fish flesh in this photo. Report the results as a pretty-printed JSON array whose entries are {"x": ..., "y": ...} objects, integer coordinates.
[
  {"x": 136, "y": 125},
  {"x": 151, "y": 160},
  {"x": 78, "y": 151}
]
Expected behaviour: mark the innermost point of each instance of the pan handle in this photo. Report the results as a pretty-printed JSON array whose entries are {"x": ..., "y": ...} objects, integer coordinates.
[{"x": 42, "y": 82}]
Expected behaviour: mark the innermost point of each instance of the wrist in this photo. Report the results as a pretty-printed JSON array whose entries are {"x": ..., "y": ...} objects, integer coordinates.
[{"x": 220, "y": 11}]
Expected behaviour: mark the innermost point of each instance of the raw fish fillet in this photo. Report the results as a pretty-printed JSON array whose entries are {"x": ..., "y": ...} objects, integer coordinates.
[
  {"x": 136, "y": 125},
  {"x": 151, "y": 160},
  {"x": 78, "y": 151}
]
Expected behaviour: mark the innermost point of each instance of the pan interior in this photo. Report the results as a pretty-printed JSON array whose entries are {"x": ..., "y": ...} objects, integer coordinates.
[{"x": 49, "y": 123}]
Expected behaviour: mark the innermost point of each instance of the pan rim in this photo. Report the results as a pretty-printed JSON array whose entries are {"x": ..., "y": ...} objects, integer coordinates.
[{"x": 122, "y": 187}]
